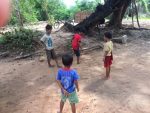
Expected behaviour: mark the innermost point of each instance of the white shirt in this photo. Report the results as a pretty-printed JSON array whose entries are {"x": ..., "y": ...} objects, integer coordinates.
[{"x": 47, "y": 39}]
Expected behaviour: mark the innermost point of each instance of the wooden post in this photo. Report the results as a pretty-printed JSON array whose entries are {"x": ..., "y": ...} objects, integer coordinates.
[
  {"x": 18, "y": 14},
  {"x": 132, "y": 13},
  {"x": 136, "y": 11}
]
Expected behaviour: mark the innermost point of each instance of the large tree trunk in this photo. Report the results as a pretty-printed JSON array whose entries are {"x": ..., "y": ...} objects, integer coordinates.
[
  {"x": 118, "y": 14},
  {"x": 103, "y": 11}
]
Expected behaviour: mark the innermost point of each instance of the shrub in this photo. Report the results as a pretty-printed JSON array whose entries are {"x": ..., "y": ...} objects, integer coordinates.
[{"x": 19, "y": 39}]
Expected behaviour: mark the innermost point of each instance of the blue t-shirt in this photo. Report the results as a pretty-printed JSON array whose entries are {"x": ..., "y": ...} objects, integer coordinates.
[{"x": 67, "y": 78}]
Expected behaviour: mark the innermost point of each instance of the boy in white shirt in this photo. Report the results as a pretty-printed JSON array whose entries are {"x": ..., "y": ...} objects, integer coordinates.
[{"x": 48, "y": 44}]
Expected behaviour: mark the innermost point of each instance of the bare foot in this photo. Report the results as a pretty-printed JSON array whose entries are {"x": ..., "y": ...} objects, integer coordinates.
[
  {"x": 104, "y": 78},
  {"x": 51, "y": 66},
  {"x": 107, "y": 77}
]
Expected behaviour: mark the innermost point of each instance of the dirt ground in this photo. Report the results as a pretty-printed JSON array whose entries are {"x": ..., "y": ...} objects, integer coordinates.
[{"x": 28, "y": 86}]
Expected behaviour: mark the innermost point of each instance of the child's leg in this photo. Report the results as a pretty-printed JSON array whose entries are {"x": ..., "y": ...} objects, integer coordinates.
[
  {"x": 73, "y": 107},
  {"x": 108, "y": 72},
  {"x": 78, "y": 60},
  {"x": 61, "y": 106},
  {"x": 48, "y": 61},
  {"x": 54, "y": 57},
  {"x": 57, "y": 63},
  {"x": 48, "y": 58},
  {"x": 78, "y": 56}
]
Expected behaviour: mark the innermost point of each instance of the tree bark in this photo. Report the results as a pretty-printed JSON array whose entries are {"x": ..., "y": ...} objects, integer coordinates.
[
  {"x": 117, "y": 7},
  {"x": 118, "y": 14},
  {"x": 115, "y": 20}
]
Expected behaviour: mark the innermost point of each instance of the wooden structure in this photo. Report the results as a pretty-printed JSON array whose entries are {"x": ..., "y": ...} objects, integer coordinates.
[{"x": 80, "y": 16}]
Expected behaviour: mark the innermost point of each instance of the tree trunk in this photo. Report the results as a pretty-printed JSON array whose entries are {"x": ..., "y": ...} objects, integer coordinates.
[
  {"x": 117, "y": 7},
  {"x": 116, "y": 20},
  {"x": 118, "y": 14}
]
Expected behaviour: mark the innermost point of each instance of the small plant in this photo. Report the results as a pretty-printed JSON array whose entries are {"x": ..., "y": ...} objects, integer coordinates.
[
  {"x": 19, "y": 39},
  {"x": 51, "y": 20},
  {"x": 69, "y": 43}
]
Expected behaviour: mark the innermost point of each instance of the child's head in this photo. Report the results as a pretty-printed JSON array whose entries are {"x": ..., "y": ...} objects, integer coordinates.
[
  {"x": 48, "y": 29},
  {"x": 107, "y": 36},
  {"x": 80, "y": 31},
  {"x": 67, "y": 60}
]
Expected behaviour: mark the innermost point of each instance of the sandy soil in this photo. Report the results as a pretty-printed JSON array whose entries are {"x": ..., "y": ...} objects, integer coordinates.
[{"x": 28, "y": 86}]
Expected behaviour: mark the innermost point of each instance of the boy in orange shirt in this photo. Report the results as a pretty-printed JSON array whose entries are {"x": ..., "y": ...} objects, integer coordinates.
[{"x": 108, "y": 56}]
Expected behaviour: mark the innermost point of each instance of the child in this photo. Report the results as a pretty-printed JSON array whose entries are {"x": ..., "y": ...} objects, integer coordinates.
[
  {"x": 76, "y": 40},
  {"x": 48, "y": 44},
  {"x": 108, "y": 56},
  {"x": 67, "y": 80}
]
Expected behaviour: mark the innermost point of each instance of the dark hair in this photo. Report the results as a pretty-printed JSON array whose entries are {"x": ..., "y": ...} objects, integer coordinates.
[
  {"x": 67, "y": 60},
  {"x": 48, "y": 27},
  {"x": 77, "y": 30},
  {"x": 108, "y": 35},
  {"x": 80, "y": 30}
]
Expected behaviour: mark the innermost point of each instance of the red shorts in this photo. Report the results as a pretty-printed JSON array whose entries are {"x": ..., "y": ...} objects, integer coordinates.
[{"x": 108, "y": 61}]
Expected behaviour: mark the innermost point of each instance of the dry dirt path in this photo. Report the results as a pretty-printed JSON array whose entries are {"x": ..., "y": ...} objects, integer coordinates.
[{"x": 28, "y": 86}]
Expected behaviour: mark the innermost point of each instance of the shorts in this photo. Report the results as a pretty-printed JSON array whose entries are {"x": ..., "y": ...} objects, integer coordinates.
[
  {"x": 51, "y": 54},
  {"x": 73, "y": 98},
  {"x": 108, "y": 61},
  {"x": 77, "y": 52}
]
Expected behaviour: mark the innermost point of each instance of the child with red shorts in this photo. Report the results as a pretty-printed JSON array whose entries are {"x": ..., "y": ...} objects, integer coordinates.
[
  {"x": 76, "y": 40},
  {"x": 108, "y": 55}
]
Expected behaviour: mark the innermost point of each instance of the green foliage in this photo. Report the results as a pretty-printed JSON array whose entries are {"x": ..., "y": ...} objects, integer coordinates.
[
  {"x": 51, "y": 10},
  {"x": 146, "y": 4},
  {"x": 26, "y": 9},
  {"x": 1, "y": 40},
  {"x": 51, "y": 20},
  {"x": 143, "y": 7},
  {"x": 82, "y": 5},
  {"x": 86, "y": 5},
  {"x": 19, "y": 39},
  {"x": 39, "y": 10}
]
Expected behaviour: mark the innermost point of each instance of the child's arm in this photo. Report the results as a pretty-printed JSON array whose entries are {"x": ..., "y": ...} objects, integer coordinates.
[
  {"x": 43, "y": 39},
  {"x": 77, "y": 85},
  {"x": 105, "y": 54},
  {"x": 43, "y": 44},
  {"x": 61, "y": 87},
  {"x": 79, "y": 43},
  {"x": 106, "y": 51}
]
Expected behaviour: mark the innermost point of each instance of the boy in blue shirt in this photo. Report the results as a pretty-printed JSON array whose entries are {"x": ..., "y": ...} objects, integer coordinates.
[{"x": 67, "y": 80}]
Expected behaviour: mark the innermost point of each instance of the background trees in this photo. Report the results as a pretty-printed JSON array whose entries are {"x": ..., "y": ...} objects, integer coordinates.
[
  {"x": 43, "y": 10},
  {"x": 39, "y": 10}
]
